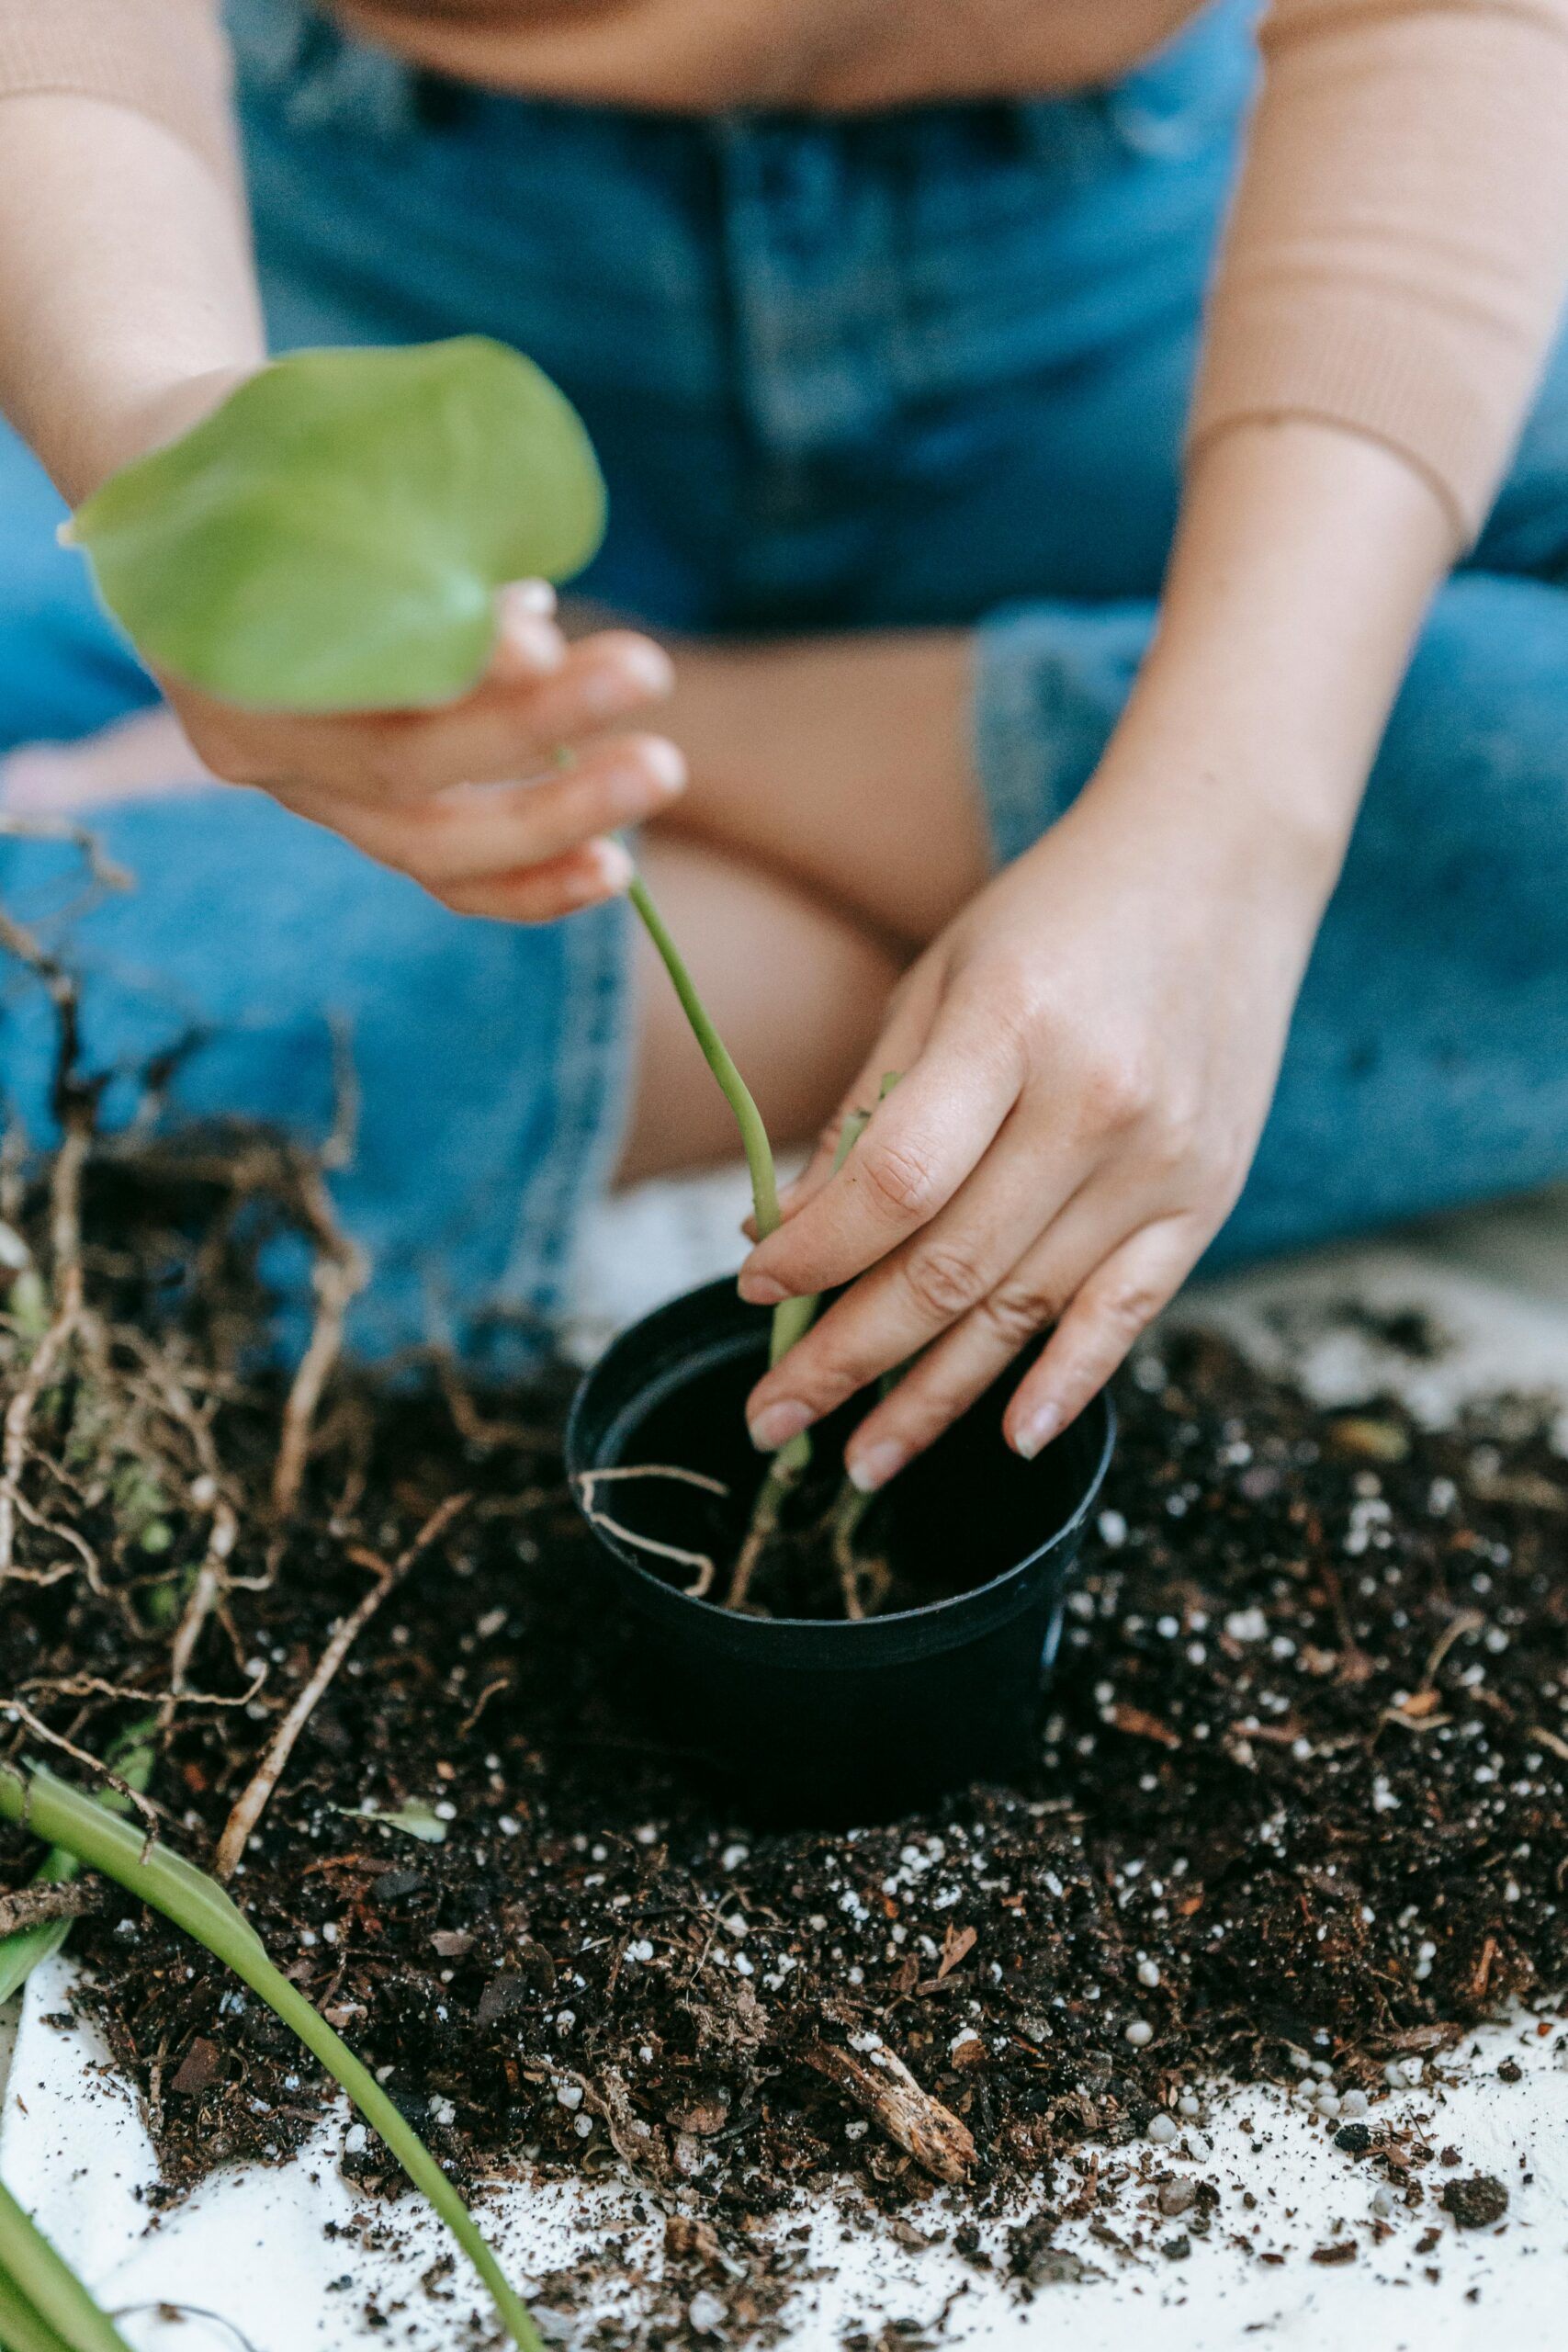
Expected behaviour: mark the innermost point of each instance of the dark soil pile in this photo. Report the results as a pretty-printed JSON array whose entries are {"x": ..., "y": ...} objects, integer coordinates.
[{"x": 1300, "y": 1793}]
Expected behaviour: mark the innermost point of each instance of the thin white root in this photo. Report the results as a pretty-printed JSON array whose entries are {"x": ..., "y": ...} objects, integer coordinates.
[{"x": 587, "y": 1480}]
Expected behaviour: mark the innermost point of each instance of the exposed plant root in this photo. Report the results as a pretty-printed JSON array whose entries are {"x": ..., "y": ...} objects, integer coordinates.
[
  {"x": 94, "y": 1685},
  {"x": 49, "y": 1356},
  {"x": 142, "y": 1806},
  {"x": 848, "y": 1513},
  {"x": 704, "y": 1565},
  {"x": 633, "y": 2140},
  {"x": 481, "y": 1430},
  {"x": 340, "y": 1274},
  {"x": 211, "y": 1578},
  {"x": 166, "y": 2309},
  {"x": 764, "y": 1526},
  {"x": 252, "y": 1800},
  {"x": 589, "y": 1481}
]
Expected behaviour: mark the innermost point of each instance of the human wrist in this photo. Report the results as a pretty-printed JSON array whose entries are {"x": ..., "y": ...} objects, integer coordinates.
[
  {"x": 1301, "y": 572},
  {"x": 1212, "y": 796}
]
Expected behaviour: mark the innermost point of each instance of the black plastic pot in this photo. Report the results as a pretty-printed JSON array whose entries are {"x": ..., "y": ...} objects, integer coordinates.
[{"x": 818, "y": 1720}]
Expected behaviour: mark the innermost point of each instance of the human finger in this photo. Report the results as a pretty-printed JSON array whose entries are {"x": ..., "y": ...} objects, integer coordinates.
[
  {"x": 970, "y": 1267},
  {"x": 585, "y": 878},
  {"x": 1114, "y": 1306},
  {"x": 474, "y": 833},
  {"x": 921, "y": 1143}
]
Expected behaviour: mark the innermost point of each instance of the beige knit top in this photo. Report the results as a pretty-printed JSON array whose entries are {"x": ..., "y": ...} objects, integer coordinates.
[{"x": 1397, "y": 257}]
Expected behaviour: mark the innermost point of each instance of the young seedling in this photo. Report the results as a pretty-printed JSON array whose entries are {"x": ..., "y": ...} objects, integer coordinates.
[{"x": 198, "y": 1905}]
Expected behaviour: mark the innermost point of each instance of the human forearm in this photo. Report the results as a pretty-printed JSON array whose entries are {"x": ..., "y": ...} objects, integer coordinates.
[
  {"x": 126, "y": 283},
  {"x": 1304, "y": 561}
]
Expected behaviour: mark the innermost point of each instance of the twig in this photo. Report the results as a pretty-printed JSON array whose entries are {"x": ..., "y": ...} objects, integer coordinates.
[
  {"x": 41, "y": 1905},
  {"x": 253, "y": 1799},
  {"x": 889, "y": 2094}
]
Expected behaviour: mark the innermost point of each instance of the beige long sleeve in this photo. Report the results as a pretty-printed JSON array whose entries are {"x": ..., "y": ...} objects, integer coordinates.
[
  {"x": 1397, "y": 256},
  {"x": 165, "y": 57}
]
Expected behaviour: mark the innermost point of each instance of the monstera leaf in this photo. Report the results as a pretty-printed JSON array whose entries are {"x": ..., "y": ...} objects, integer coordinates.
[{"x": 332, "y": 537}]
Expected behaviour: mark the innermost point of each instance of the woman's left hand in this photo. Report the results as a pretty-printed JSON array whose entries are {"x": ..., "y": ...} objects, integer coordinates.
[{"x": 1087, "y": 1056}]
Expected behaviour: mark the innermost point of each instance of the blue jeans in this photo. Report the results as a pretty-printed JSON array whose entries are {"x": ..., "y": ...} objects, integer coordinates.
[{"x": 929, "y": 368}]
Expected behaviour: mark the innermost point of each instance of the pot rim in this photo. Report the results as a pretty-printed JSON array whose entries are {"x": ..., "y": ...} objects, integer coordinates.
[{"x": 710, "y": 1618}]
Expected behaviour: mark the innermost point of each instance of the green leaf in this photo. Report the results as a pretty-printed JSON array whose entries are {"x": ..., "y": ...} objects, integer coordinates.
[
  {"x": 21, "y": 2329},
  {"x": 415, "y": 1819},
  {"x": 332, "y": 537},
  {"x": 198, "y": 1905},
  {"x": 43, "y": 2302}
]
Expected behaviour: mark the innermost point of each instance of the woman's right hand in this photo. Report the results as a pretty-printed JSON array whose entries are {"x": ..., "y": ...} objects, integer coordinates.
[{"x": 501, "y": 804}]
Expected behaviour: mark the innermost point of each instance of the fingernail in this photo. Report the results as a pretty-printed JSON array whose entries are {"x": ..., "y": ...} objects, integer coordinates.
[
  {"x": 761, "y": 1290},
  {"x": 530, "y": 597},
  {"x": 530, "y": 647},
  {"x": 635, "y": 673},
  {"x": 648, "y": 666},
  {"x": 1037, "y": 1432},
  {"x": 612, "y": 870},
  {"x": 638, "y": 790},
  {"x": 776, "y": 1425},
  {"x": 664, "y": 763},
  {"x": 872, "y": 1469}
]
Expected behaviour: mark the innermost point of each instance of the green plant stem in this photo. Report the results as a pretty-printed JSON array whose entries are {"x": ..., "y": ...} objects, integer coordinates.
[
  {"x": 783, "y": 1470},
  {"x": 198, "y": 1905},
  {"x": 43, "y": 2302},
  {"x": 21, "y": 2329},
  {"x": 24, "y": 1949},
  {"x": 737, "y": 1093},
  {"x": 793, "y": 1318}
]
